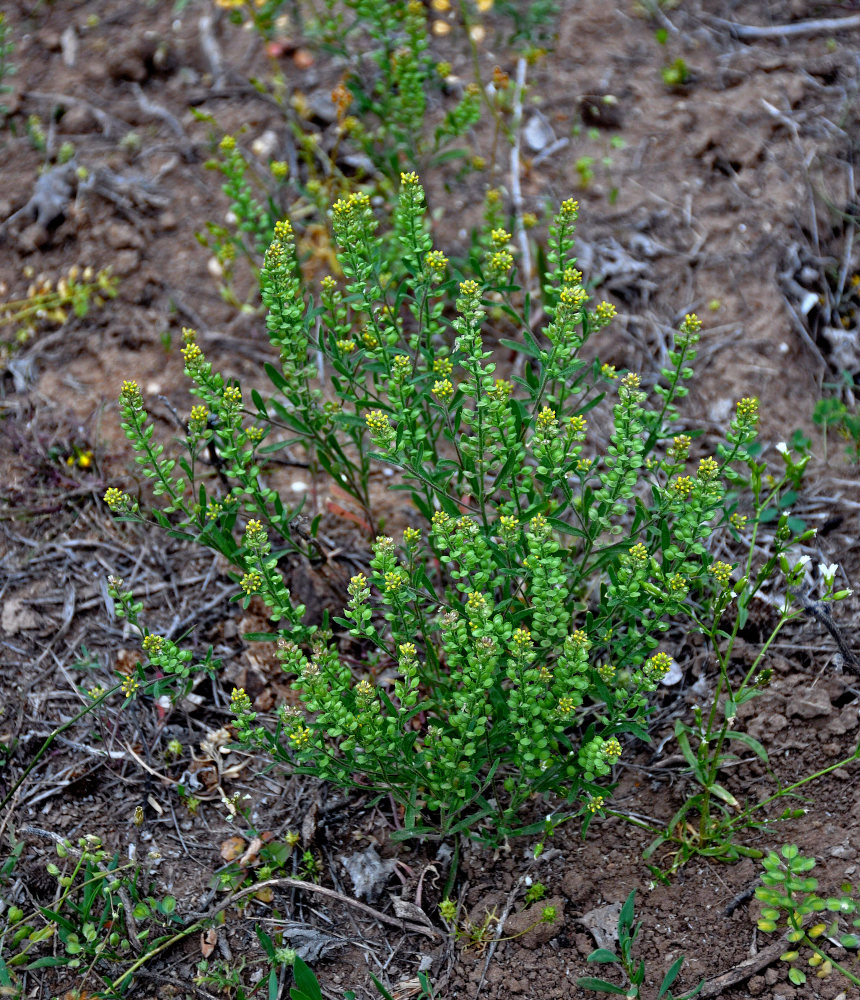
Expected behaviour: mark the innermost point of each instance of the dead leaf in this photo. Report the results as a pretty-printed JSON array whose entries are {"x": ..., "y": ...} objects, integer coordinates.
[
  {"x": 368, "y": 872},
  {"x": 16, "y": 616},
  {"x": 406, "y": 910},
  {"x": 208, "y": 940},
  {"x": 232, "y": 848},
  {"x": 602, "y": 921},
  {"x": 265, "y": 895},
  {"x": 251, "y": 856}
]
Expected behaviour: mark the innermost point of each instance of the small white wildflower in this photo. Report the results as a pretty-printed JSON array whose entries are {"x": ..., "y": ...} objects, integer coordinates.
[
  {"x": 826, "y": 572},
  {"x": 782, "y": 448},
  {"x": 802, "y": 561}
]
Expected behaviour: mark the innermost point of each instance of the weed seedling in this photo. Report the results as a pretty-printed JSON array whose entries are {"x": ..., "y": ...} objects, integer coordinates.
[{"x": 634, "y": 970}]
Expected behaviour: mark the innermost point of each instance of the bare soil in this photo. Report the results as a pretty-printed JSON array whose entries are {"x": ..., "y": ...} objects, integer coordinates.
[{"x": 733, "y": 195}]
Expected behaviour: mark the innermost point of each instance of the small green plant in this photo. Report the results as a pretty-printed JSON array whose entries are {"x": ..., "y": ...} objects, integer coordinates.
[
  {"x": 717, "y": 816},
  {"x": 832, "y": 412},
  {"x": 7, "y": 69},
  {"x": 307, "y": 985},
  {"x": 634, "y": 970},
  {"x": 791, "y": 903},
  {"x": 480, "y": 934},
  {"x": 102, "y": 917},
  {"x": 676, "y": 74},
  {"x": 49, "y": 304}
]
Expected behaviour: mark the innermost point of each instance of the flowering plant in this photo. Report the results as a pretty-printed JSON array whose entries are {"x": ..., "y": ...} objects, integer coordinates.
[{"x": 509, "y": 647}]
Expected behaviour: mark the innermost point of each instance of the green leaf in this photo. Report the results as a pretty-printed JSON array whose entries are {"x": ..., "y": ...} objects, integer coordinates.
[
  {"x": 307, "y": 987},
  {"x": 602, "y": 955},
  {"x": 750, "y": 742},
  {"x": 670, "y": 977},
  {"x": 590, "y": 983}
]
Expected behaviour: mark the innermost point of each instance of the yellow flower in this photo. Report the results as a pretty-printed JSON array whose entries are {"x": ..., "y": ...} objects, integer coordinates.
[
  {"x": 546, "y": 419},
  {"x": 708, "y": 468},
  {"x": 748, "y": 409},
  {"x": 658, "y": 665},
  {"x": 569, "y": 209},
  {"x": 443, "y": 390},
  {"x": 300, "y": 737},
  {"x": 113, "y": 497}
]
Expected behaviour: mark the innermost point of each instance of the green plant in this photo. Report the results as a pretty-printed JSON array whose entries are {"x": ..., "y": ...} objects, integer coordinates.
[
  {"x": 789, "y": 897},
  {"x": 833, "y": 412},
  {"x": 307, "y": 985},
  {"x": 717, "y": 815},
  {"x": 7, "y": 69},
  {"x": 481, "y": 934},
  {"x": 525, "y": 629},
  {"x": 49, "y": 303},
  {"x": 102, "y": 917},
  {"x": 628, "y": 932}
]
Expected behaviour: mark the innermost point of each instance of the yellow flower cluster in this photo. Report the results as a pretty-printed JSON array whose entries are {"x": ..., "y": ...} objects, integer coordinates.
[
  {"x": 658, "y": 665},
  {"x": 129, "y": 394},
  {"x": 443, "y": 390},
  {"x": 708, "y": 468},
  {"x": 573, "y": 297},
  {"x": 250, "y": 583},
  {"x": 114, "y": 498},
  {"x": 300, "y": 737},
  {"x": 683, "y": 485},
  {"x": 436, "y": 261},
  {"x": 639, "y": 552},
  {"x": 722, "y": 572},
  {"x": 569, "y": 210},
  {"x": 378, "y": 422},
  {"x": 579, "y": 638},
  {"x": 152, "y": 644},
  {"x": 255, "y": 533},
  {"x": 364, "y": 689},
  {"x": 605, "y": 311},
  {"x": 522, "y": 639},
  {"x": 691, "y": 324},
  {"x": 546, "y": 419},
  {"x": 748, "y": 408},
  {"x": 130, "y": 686}
]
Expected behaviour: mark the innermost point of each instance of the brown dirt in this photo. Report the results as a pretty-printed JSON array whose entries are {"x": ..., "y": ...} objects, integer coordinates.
[{"x": 732, "y": 197}]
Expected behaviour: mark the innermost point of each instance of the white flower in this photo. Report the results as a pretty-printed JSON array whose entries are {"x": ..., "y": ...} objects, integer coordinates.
[
  {"x": 782, "y": 448},
  {"x": 827, "y": 573},
  {"x": 802, "y": 561}
]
